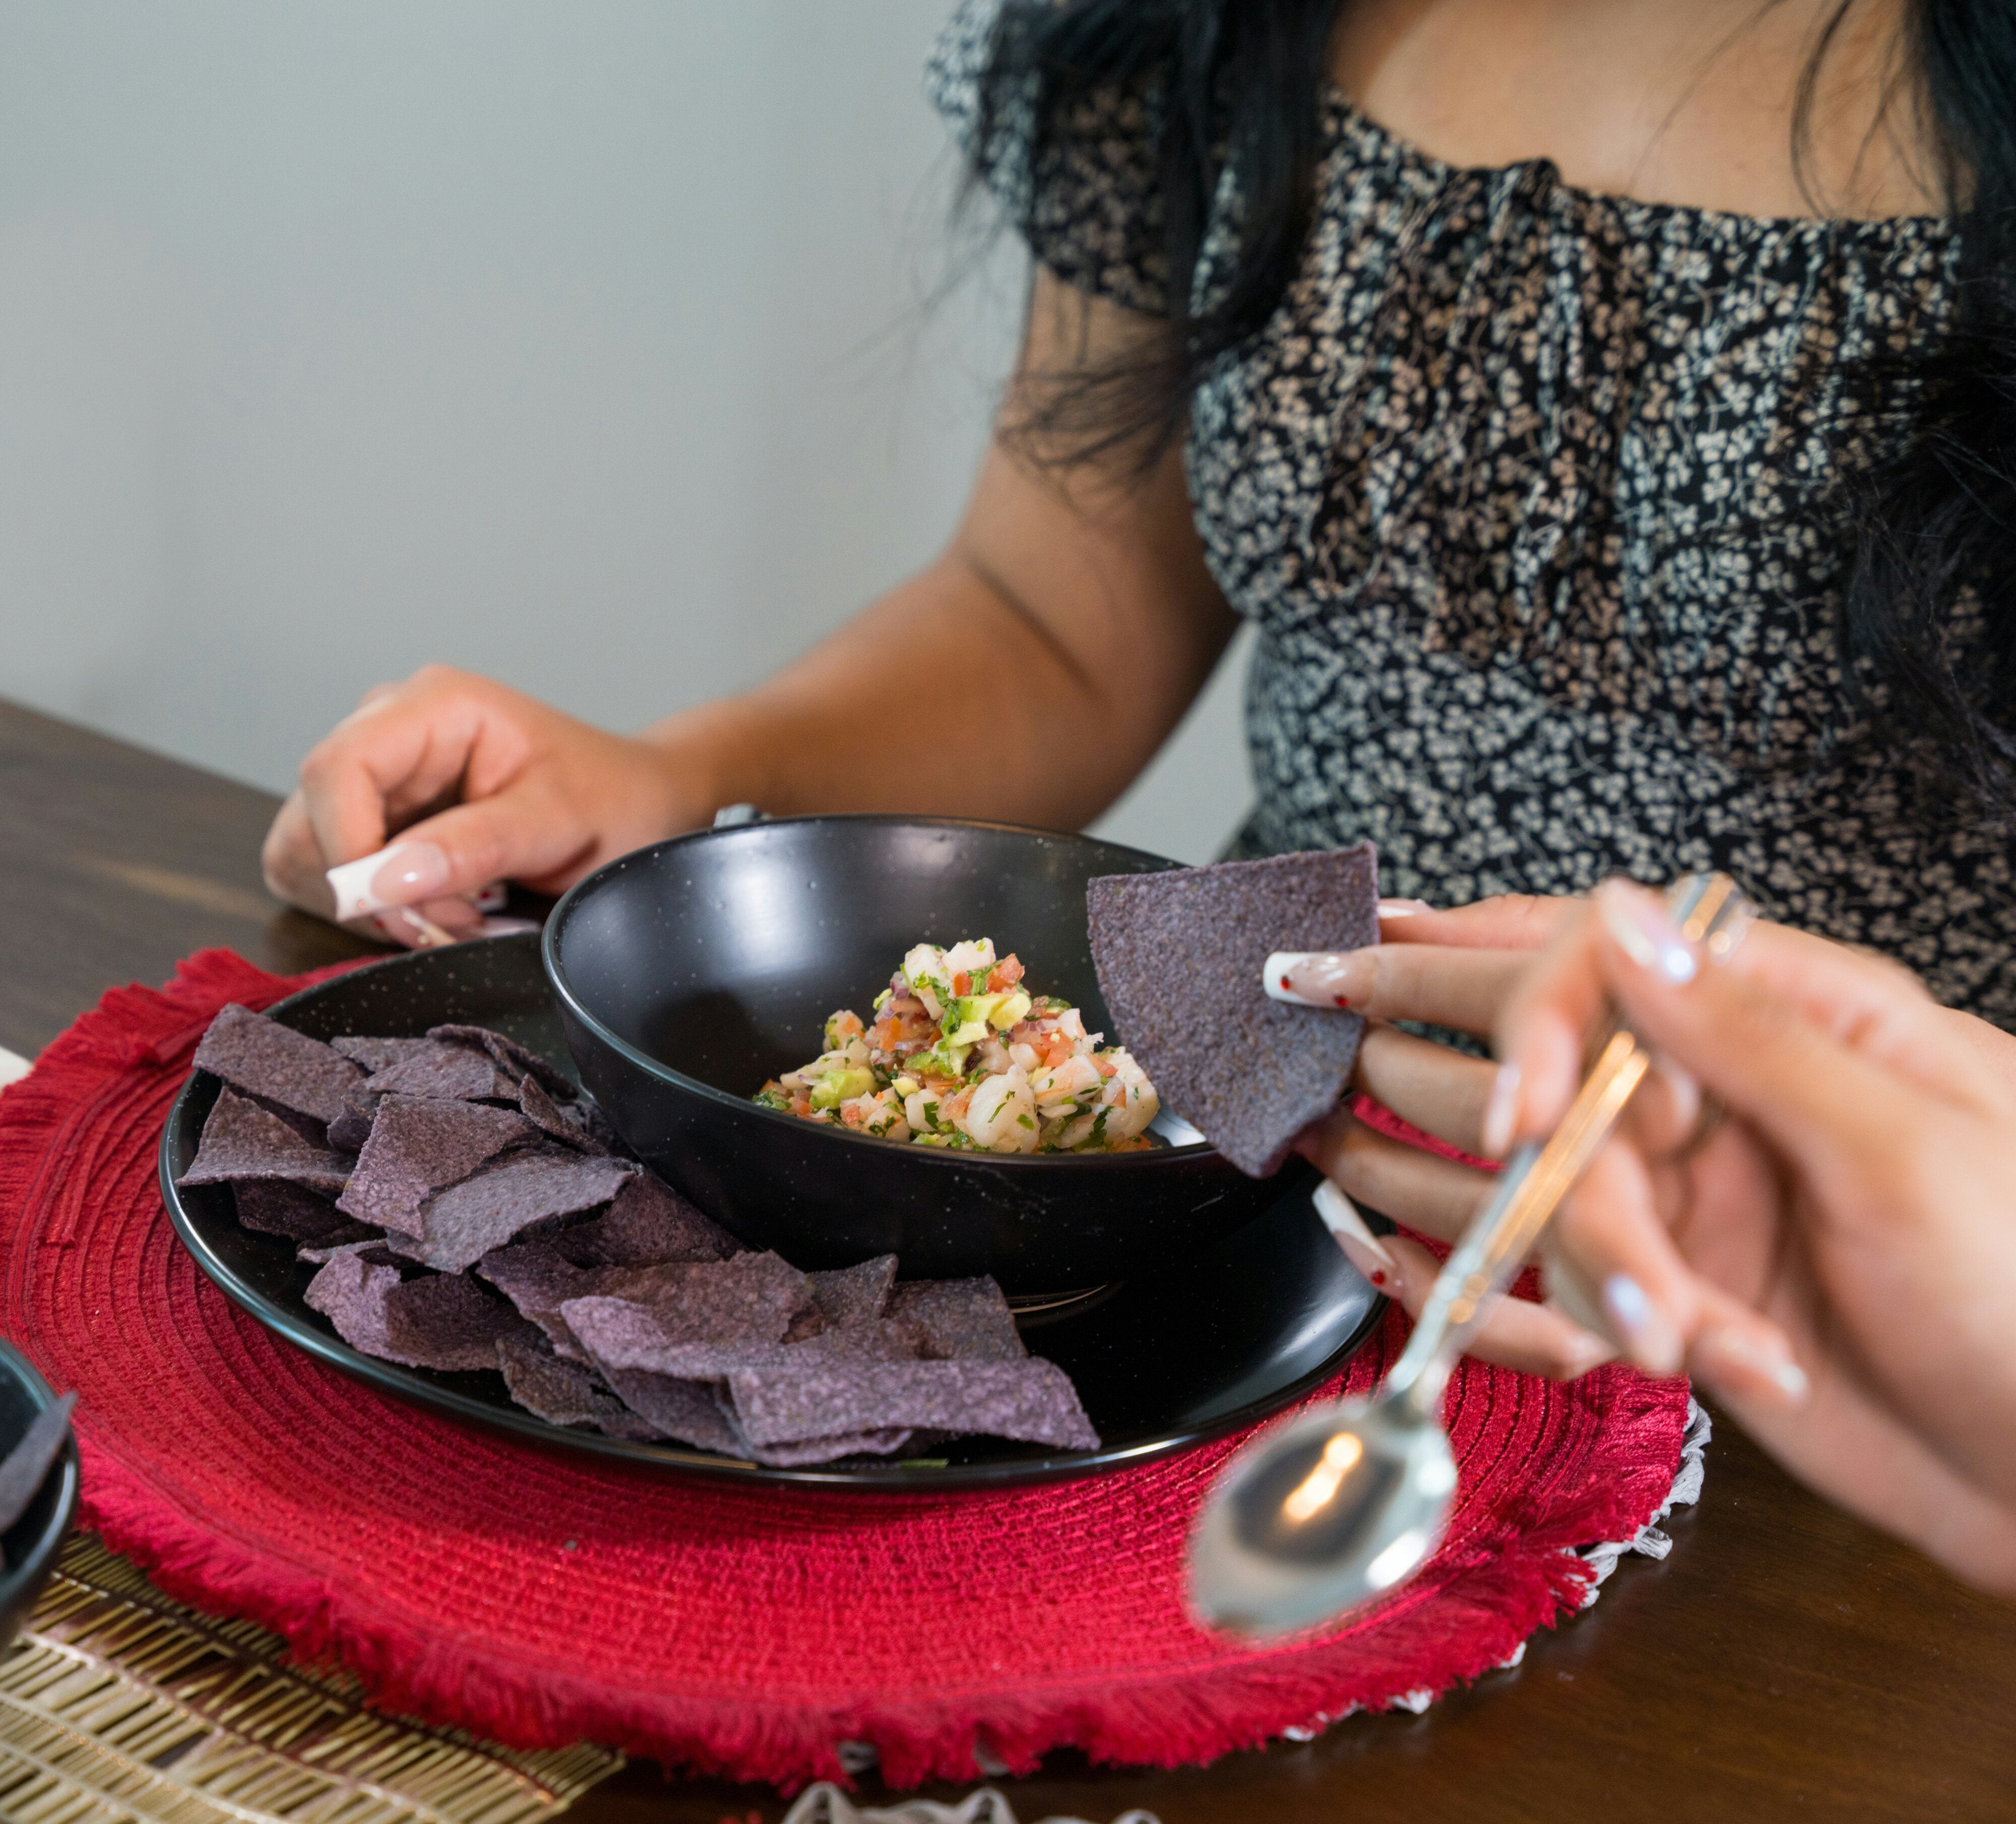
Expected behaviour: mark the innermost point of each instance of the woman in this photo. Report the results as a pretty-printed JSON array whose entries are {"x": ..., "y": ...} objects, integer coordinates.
[
  {"x": 1604, "y": 409},
  {"x": 1584, "y": 535}
]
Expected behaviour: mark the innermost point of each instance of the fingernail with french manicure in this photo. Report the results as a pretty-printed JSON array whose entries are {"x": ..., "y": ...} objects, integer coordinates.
[
  {"x": 1759, "y": 1360},
  {"x": 1501, "y": 1112},
  {"x": 395, "y": 876},
  {"x": 1644, "y": 932},
  {"x": 1403, "y": 908},
  {"x": 1317, "y": 978},
  {"x": 1643, "y": 1331},
  {"x": 1363, "y": 1249}
]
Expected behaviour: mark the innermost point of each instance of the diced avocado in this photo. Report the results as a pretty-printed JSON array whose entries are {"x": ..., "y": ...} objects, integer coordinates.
[
  {"x": 1013, "y": 1009},
  {"x": 907, "y": 1086},
  {"x": 966, "y": 1019},
  {"x": 883, "y": 999},
  {"x": 839, "y": 1086}
]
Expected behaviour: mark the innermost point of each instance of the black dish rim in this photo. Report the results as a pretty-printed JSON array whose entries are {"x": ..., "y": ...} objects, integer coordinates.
[
  {"x": 415, "y": 1388},
  {"x": 29, "y": 1572}
]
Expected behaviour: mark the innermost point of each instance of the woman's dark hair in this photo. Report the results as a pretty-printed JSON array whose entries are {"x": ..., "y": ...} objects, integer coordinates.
[{"x": 1237, "y": 85}]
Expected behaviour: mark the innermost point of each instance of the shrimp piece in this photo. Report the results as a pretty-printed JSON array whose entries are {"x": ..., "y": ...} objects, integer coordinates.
[
  {"x": 1131, "y": 1100},
  {"x": 1001, "y": 1114},
  {"x": 881, "y": 1114},
  {"x": 928, "y": 978},
  {"x": 969, "y": 959},
  {"x": 1064, "y": 1088}
]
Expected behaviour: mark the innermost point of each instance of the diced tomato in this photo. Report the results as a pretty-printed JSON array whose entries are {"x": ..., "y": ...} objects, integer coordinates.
[
  {"x": 1056, "y": 1049},
  {"x": 1006, "y": 974}
]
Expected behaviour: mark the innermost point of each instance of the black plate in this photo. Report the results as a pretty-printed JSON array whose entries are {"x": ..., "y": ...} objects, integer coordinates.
[{"x": 1211, "y": 1344}]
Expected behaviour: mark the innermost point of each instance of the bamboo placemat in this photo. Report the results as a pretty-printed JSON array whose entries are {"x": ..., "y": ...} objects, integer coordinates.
[{"x": 118, "y": 1706}]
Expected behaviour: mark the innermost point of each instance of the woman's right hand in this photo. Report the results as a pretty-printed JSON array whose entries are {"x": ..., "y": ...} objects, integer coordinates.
[
  {"x": 447, "y": 782},
  {"x": 1837, "y": 1259}
]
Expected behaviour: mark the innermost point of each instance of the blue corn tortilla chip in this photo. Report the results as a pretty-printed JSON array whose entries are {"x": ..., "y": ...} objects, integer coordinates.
[
  {"x": 420, "y": 1145},
  {"x": 450, "y": 1072},
  {"x": 374, "y": 1054},
  {"x": 745, "y": 1302},
  {"x": 648, "y": 1222},
  {"x": 565, "y": 1392},
  {"x": 273, "y": 1206},
  {"x": 447, "y": 1321},
  {"x": 538, "y": 1279},
  {"x": 370, "y": 1249},
  {"x": 351, "y": 1128},
  {"x": 624, "y": 1337},
  {"x": 26, "y": 1467},
  {"x": 1032, "y": 1400},
  {"x": 963, "y": 1320},
  {"x": 821, "y": 1450},
  {"x": 258, "y": 1056},
  {"x": 514, "y": 1059},
  {"x": 242, "y": 1140},
  {"x": 854, "y": 1295},
  {"x": 465, "y": 1222},
  {"x": 689, "y": 1411},
  {"x": 351, "y": 1293},
  {"x": 677, "y": 1384},
  {"x": 1178, "y": 956},
  {"x": 540, "y": 1109},
  {"x": 440, "y": 1321}
]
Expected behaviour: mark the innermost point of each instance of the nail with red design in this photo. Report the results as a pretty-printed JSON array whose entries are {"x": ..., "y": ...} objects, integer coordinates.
[
  {"x": 1363, "y": 1249},
  {"x": 1317, "y": 978}
]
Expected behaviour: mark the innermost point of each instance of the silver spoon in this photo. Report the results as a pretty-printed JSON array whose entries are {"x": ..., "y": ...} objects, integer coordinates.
[{"x": 1350, "y": 1500}]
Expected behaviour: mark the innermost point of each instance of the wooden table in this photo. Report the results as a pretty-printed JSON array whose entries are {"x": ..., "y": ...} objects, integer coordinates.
[{"x": 1784, "y": 1661}]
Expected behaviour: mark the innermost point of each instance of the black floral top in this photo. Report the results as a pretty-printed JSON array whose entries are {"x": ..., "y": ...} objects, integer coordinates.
[{"x": 1527, "y": 490}]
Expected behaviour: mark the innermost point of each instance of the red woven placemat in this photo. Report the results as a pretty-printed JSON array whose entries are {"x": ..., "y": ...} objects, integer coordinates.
[{"x": 740, "y": 1631}]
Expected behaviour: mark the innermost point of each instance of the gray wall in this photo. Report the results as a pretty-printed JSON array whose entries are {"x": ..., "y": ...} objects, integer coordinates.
[{"x": 581, "y": 345}]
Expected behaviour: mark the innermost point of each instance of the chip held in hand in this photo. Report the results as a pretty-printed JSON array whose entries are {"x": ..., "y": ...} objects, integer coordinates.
[{"x": 1178, "y": 956}]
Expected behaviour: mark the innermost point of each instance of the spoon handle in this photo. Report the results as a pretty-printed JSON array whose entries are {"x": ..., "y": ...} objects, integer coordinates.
[{"x": 1536, "y": 1178}]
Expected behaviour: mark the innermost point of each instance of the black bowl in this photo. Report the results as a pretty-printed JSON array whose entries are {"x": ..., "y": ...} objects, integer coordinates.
[
  {"x": 33, "y": 1541},
  {"x": 688, "y": 973}
]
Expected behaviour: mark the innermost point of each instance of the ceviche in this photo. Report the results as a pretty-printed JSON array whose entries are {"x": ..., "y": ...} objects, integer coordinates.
[{"x": 959, "y": 1054}]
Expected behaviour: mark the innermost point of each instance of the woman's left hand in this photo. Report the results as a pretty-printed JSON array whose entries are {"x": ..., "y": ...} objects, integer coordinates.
[{"x": 1456, "y": 970}]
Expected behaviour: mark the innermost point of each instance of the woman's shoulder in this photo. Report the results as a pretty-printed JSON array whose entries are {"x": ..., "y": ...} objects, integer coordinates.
[{"x": 1074, "y": 174}]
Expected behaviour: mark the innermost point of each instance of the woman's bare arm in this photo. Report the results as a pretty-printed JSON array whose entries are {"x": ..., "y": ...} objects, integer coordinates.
[{"x": 1028, "y": 675}]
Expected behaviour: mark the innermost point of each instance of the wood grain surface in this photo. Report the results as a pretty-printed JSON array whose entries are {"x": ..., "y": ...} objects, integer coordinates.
[{"x": 1786, "y": 1661}]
